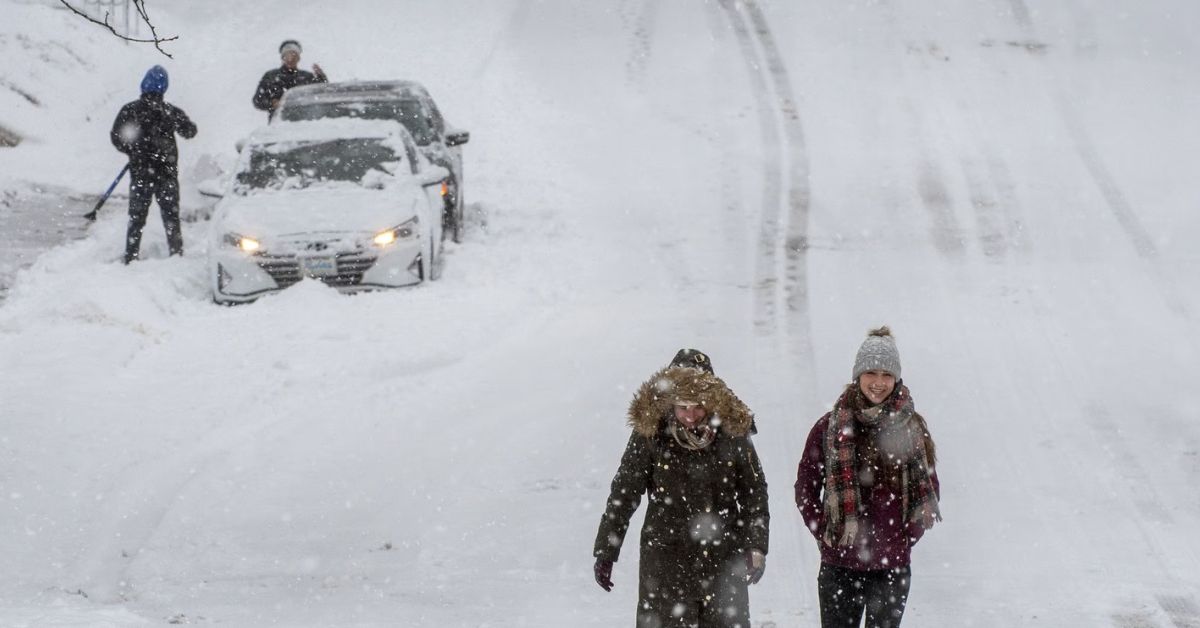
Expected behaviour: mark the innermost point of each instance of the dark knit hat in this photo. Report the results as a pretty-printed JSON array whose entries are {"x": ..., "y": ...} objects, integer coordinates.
[
  {"x": 878, "y": 353},
  {"x": 292, "y": 44},
  {"x": 692, "y": 358},
  {"x": 155, "y": 81}
]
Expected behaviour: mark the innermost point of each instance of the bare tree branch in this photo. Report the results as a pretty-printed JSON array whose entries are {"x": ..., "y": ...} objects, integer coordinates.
[{"x": 141, "y": 9}]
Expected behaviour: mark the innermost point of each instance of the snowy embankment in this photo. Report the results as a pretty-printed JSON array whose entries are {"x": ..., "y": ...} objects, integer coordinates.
[
  {"x": 1007, "y": 188},
  {"x": 59, "y": 89}
]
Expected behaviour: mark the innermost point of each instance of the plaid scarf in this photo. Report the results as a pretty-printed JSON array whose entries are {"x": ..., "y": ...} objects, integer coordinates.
[
  {"x": 694, "y": 440},
  {"x": 893, "y": 424}
]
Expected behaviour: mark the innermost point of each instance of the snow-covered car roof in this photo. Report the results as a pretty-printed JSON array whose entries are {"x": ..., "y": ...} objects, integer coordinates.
[
  {"x": 356, "y": 90},
  {"x": 328, "y": 129}
]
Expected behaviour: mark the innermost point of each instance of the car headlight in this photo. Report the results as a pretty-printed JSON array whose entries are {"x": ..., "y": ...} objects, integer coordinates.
[
  {"x": 249, "y": 245},
  {"x": 404, "y": 231}
]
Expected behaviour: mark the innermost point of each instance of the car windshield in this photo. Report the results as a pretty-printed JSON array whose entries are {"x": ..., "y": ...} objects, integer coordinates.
[
  {"x": 293, "y": 165},
  {"x": 410, "y": 113}
]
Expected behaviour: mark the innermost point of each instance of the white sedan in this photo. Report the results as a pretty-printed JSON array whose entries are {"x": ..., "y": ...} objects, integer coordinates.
[{"x": 351, "y": 203}]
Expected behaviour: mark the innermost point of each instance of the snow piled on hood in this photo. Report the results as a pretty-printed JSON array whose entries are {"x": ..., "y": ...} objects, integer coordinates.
[{"x": 325, "y": 130}]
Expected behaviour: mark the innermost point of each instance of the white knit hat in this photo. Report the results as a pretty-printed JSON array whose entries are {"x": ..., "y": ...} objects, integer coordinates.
[
  {"x": 289, "y": 45},
  {"x": 878, "y": 353}
]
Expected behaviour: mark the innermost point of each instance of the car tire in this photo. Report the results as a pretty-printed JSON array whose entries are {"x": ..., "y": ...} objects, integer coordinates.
[
  {"x": 452, "y": 215},
  {"x": 435, "y": 261},
  {"x": 460, "y": 225}
]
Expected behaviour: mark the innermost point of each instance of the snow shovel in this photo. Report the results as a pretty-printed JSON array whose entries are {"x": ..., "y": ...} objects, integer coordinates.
[{"x": 92, "y": 214}]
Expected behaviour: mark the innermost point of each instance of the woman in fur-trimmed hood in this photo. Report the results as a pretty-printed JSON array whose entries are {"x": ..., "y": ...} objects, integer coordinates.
[
  {"x": 706, "y": 529},
  {"x": 868, "y": 489}
]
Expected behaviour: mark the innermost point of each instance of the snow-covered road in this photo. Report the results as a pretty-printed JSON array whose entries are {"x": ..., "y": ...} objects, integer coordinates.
[
  {"x": 33, "y": 219},
  {"x": 1007, "y": 186}
]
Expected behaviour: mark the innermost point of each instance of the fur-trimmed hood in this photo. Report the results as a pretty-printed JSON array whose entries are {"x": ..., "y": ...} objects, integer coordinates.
[{"x": 656, "y": 397}]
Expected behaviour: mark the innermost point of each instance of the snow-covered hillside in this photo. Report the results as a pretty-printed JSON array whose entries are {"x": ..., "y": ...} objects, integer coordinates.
[{"x": 1007, "y": 184}]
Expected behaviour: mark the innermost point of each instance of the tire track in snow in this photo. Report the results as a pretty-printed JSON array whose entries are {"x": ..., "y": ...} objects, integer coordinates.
[
  {"x": 516, "y": 21},
  {"x": 765, "y": 274},
  {"x": 1129, "y": 620},
  {"x": 992, "y": 193},
  {"x": 781, "y": 306},
  {"x": 934, "y": 193},
  {"x": 1182, "y": 611},
  {"x": 1020, "y": 13},
  {"x": 1106, "y": 183},
  {"x": 1179, "y": 431},
  {"x": 1146, "y": 503},
  {"x": 731, "y": 181},
  {"x": 992, "y": 238},
  {"x": 799, "y": 196},
  {"x": 781, "y": 275},
  {"x": 1089, "y": 155},
  {"x": 990, "y": 188},
  {"x": 641, "y": 29},
  {"x": 1137, "y": 495},
  {"x": 935, "y": 196},
  {"x": 639, "y": 19},
  {"x": 1009, "y": 201},
  {"x": 1145, "y": 498},
  {"x": 1133, "y": 497},
  {"x": 142, "y": 505},
  {"x": 146, "y": 494}
]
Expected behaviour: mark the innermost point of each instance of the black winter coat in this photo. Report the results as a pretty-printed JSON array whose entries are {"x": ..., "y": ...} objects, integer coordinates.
[
  {"x": 145, "y": 130},
  {"x": 707, "y": 506},
  {"x": 711, "y": 501},
  {"x": 275, "y": 82}
]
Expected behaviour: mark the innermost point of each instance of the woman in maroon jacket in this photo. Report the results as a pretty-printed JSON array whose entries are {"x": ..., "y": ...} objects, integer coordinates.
[{"x": 868, "y": 490}]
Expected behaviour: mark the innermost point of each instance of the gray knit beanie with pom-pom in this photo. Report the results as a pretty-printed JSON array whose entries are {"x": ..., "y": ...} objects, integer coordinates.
[{"x": 878, "y": 353}]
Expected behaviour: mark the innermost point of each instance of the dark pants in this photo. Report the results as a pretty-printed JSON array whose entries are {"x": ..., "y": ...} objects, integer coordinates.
[
  {"x": 144, "y": 188},
  {"x": 692, "y": 591},
  {"x": 846, "y": 593}
]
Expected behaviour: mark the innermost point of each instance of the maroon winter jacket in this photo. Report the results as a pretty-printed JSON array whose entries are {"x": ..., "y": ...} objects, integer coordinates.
[{"x": 883, "y": 540}]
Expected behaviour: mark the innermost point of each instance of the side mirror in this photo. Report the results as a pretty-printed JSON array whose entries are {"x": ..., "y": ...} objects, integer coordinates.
[
  {"x": 211, "y": 187},
  {"x": 210, "y": 174},
  {"x": 457, "y": 138},
  {"x": 433, "y": 175}
]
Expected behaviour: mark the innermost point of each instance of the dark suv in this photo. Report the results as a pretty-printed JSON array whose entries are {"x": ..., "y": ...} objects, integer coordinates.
[{"x": 406, "y": 101}]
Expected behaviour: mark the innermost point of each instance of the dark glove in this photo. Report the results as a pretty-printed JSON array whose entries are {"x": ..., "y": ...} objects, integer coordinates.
[
  {"x": 915, "y": 530},
  {"x": 603, "y": 570},
  {"x": 756, "y": 564}
]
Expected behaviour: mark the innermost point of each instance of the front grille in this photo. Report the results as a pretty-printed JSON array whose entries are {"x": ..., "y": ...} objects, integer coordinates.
[
  {"x": 350, "y": 269},
  {"x": 285, "y": 269}
]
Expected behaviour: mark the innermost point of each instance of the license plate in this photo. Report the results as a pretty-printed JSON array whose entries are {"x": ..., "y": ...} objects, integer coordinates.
[{"x": 318, "y": 266}]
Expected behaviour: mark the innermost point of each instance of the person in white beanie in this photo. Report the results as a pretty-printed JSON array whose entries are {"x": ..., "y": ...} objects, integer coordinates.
[
  {"x": 867, "y": 488},
  {"x": 288, "y": 75}
]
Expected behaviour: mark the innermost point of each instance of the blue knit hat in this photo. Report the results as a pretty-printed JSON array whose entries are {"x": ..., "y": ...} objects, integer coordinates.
[{"x": 155, "y": 80}]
